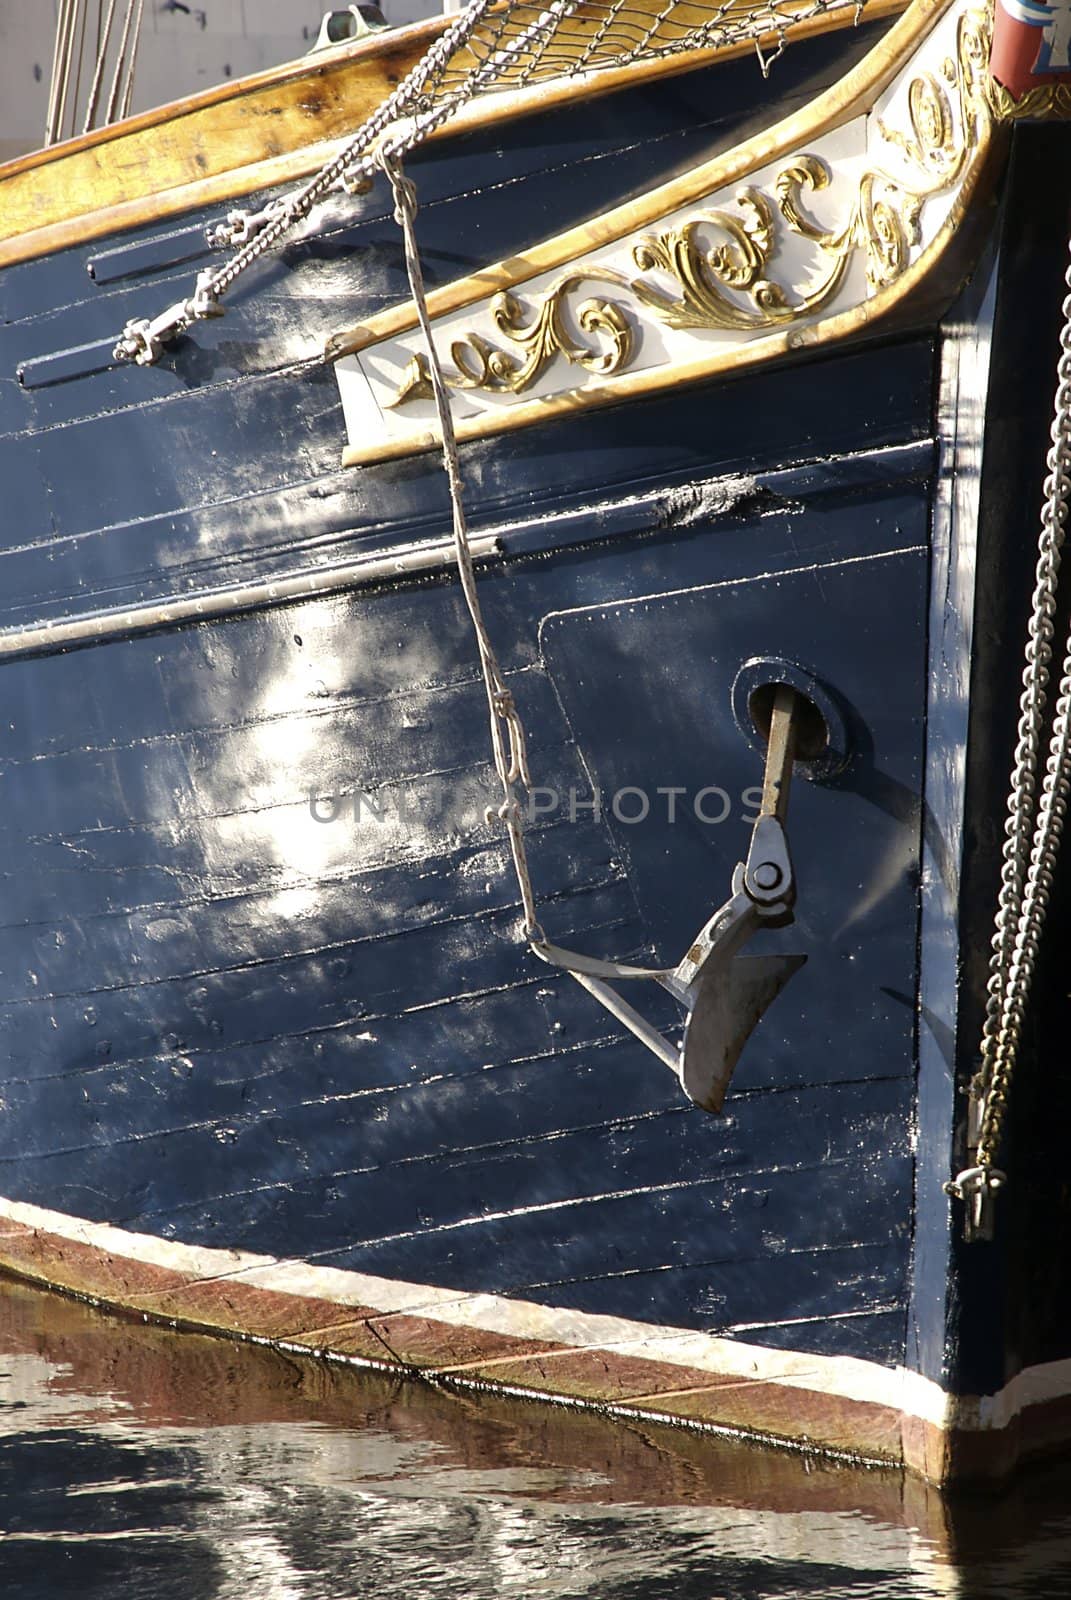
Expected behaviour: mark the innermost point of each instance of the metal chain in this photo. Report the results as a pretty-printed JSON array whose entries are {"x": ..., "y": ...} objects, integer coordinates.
[
  {"x": 507, "y": 730},
  {"x": 1033, "y": 831}
]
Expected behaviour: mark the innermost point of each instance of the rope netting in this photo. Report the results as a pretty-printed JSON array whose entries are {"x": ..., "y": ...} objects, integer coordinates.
[{"x": 594, "y": 34}]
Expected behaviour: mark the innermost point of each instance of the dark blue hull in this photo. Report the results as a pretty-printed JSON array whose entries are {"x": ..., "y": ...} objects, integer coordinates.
[{"x": 262, "y": 982}]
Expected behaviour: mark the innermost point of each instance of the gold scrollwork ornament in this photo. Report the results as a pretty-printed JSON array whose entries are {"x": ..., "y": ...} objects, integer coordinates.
[{"x": 721, "y": 261}]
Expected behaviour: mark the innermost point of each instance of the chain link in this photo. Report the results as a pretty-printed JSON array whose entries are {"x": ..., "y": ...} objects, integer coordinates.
[
  {"x": 411, "y": 104},
  {"x": 1034, "y": 826}
]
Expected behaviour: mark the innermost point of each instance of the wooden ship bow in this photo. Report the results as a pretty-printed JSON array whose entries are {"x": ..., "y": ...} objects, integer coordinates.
[{"x": 519, "y": 540}]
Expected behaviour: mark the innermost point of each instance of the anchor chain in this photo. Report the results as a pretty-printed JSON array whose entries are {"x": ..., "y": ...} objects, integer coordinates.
[
  {"x": 508, "y": 741},
  {"x": 1032, "y": 832},
  {"x": 721, "y": 1012}
]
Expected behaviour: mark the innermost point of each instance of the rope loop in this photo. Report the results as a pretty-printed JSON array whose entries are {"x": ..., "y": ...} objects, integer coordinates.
[{"x": 388, "y": 156}]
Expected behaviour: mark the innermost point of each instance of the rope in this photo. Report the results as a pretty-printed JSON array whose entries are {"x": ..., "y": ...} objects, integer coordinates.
[
  {"x": 72, "y": 28},
  {"x": 507, "y": 730},
  {"x": 103, "y": 40},
  {"x": 132, "y": 60},
  {"x": 61, "y": 69},
  {"x": 52, "y": 119},
  {"x": 1034, "y": 827},
  {"x": 78, "y": 69},
  {"x": 124, "y": 39}
]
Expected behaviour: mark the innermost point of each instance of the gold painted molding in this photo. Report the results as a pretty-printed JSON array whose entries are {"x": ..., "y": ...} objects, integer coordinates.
[
  {"x": 734, "y": 283},
  {"x": 272, "y": 127},
  {"x": 853, "y": 96},
  {"x": 1045, "y": 101},
  {"x": 725, "y": 268},
  {"x": 639, "y": 385}
]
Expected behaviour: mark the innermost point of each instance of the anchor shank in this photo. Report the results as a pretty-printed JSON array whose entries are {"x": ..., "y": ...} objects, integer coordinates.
[
  {"x": 768, "y": 875},
  {"x": 724, "y": 994},
  {"x": 780, "y": 754}
]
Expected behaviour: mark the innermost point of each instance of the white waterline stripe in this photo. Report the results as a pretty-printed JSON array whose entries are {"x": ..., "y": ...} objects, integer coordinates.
[{"x": 846, "y": 1377}]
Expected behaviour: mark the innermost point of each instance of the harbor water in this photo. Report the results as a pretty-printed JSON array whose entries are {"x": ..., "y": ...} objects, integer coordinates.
[{"x": 135, "y": 1461}]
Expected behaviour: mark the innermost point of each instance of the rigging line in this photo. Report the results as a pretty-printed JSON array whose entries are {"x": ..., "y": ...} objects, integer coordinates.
[
  {"x": 54, "y": 79},
  {"x": 113, "y": 97},
  {"x": 78, "y": 70},
  {"x": 406, "y": 101},
  {"x": 65, "y": 87},
  {"x": 104, "y": 33},
  {"x": 128, "y": 91},
  {"x": 60, "y": 61},
  {"x": 142, "y": 340}
]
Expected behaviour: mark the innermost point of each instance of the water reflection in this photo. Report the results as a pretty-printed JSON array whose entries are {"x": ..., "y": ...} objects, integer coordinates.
[{"x": 134, "y": 1462}]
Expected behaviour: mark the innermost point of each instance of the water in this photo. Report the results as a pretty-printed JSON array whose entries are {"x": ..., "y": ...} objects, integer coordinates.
[{"x": 136, "y": 1462}]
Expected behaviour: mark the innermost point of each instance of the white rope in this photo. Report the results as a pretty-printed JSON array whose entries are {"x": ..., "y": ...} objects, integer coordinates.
[
  {"x": 132, "y": 61},
  {"x": 103, "y": 40},
  {"x": 61, "y": 69},
  {"x": 507, "y": 730},
  {"x": 115, "y": 97},
  {"x": 83, "y": 28},
  {"x": 62, "y": 33}
]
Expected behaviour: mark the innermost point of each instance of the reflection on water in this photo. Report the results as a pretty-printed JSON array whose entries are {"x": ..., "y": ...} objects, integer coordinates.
[{"x": 136, "y": 1462}]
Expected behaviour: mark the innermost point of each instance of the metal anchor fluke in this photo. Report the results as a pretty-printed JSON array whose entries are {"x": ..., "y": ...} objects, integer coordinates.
[{"x": 724, "y": 993}]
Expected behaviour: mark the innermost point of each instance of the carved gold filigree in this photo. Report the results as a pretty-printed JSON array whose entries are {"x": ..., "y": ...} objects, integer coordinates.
[
  {"x": 1046, "y": 100},
  {"x": 721, "y": 262},
  {"x": 415, "y": 382},
  {"x": 481, "y": 365},
  {"x": 883, "y": 225}
]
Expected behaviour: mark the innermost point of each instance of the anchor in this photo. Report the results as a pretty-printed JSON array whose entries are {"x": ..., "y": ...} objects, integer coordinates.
[{"x": 724, "y": 994}]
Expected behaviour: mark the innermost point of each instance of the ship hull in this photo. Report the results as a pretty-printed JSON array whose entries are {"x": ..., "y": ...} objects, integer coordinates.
[{"x": 277, "y": 1060}]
